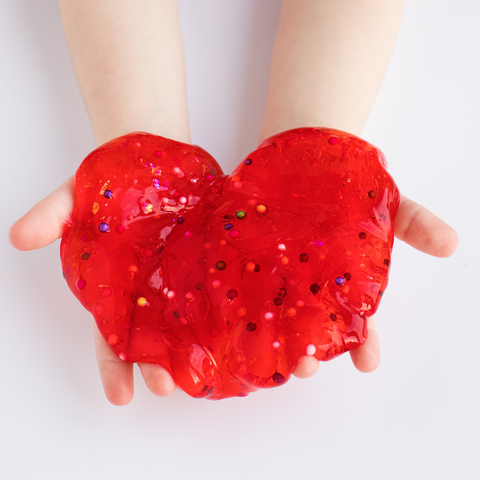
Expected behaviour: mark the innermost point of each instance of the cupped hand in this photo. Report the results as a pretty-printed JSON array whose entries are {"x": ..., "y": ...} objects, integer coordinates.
[{"x": 44, "y": 224}]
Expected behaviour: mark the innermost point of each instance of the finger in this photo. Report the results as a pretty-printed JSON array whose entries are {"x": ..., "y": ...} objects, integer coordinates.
[
  {"x": 116, "y": 375},
  {"x": 307, "y": 367},
  {"x": 43, "y": 224},
  {"x": 423, "y": 230},
  {"x": 157, "y": 378},
  {"x": 366, "y": 357}
]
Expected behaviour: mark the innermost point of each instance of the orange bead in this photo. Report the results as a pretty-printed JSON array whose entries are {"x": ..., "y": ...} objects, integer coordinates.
[{"x": 141, "y": 301}]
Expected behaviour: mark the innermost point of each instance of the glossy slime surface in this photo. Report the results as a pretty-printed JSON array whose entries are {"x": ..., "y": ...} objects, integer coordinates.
[{"x": 229, "y": 281}]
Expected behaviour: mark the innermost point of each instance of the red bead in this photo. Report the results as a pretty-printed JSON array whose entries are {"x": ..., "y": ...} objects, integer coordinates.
[{"x": 207, "y": 303}]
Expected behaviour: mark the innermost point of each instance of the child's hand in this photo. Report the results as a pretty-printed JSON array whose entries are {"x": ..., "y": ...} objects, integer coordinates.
[{"x": 44, "y": 223}]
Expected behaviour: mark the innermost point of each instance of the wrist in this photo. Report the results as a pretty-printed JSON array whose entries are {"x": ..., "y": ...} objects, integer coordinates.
[{"x": 115, "y": 123}]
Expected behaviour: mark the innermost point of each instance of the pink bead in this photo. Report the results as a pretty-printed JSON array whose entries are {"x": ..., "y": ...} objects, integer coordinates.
[{"x": 310, "y": 349}]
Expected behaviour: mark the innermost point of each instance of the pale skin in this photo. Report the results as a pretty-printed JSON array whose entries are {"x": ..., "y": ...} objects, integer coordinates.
[{"x": 328, "y": 63}]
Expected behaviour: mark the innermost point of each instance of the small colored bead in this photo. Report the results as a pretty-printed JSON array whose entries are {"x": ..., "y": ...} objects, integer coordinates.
[
  {"x": 248, "y": 161},
  {"x": 103, "y": 227},
  {"x": 362, "y": 235},
  {"x": 332, "y": 140},
  {"x": 314, "y": 288},
  {"x": 249, "y": 267},
  {"x": 241, "y": 214},
  {"x": 108, "y": 194},
  {"x": 268, "y": 316},
  {"x": 278, "y": 377},
  {"x": 278, "y": 301},
  {"x": 234, "y": 233},
  {"x": 251, "y": 327},
  {"x": 180, "y": 220},
  {"x": 158, "y": 153},
  {"x": 310, "y": 349},
  {"x": 228, "y": 226},
  {"x": 303, "y": 257},
  {"x": 220, "y": 265},
  {"x": 85, "y": 256},
  {"x": 333, "y": 317},
  {"x": 261, "y": 209},
  {"x": 372, "y": 193},
  {"x": 339, "y": 280},
  {"x": 276, "y": 344},
  {"x": 81, "y": 283},
  {"x": 141, "y": 301},
  {"x": 232, "y": 294},
  {"x": 113, "y": 339},
  {"x": 120, "y": 228},
  {"x": 347, "y": 276},
  {"x": 199, "y": 286}
]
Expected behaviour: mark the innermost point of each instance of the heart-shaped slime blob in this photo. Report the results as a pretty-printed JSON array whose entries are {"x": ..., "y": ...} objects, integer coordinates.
[{"x": 229, "y": 281}]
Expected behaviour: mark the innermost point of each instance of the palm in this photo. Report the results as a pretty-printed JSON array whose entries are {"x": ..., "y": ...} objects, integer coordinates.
[{"x": 43, "y": 224}]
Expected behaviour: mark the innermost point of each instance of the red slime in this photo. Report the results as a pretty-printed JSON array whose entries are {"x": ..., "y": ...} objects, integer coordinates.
[{"x": 229, "y": 281}]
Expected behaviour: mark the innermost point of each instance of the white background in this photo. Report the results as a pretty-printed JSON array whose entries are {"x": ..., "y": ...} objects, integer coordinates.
[{"x": 416, "y": 417}]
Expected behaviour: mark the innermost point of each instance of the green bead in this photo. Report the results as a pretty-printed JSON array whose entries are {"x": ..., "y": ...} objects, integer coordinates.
[{"x": 240, "y": 214}]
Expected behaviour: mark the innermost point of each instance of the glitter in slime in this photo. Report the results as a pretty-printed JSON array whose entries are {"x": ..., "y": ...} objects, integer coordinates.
[{"x": 229, "y": 281}]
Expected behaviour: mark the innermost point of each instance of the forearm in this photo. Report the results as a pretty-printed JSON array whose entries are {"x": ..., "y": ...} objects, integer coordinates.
[
  {"x": 129, "y": 62},
  {"x": 328, "y": 63}
]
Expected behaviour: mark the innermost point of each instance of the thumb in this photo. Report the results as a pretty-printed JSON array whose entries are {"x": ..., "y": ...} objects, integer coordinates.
[{"x": 43, "y": 224}]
